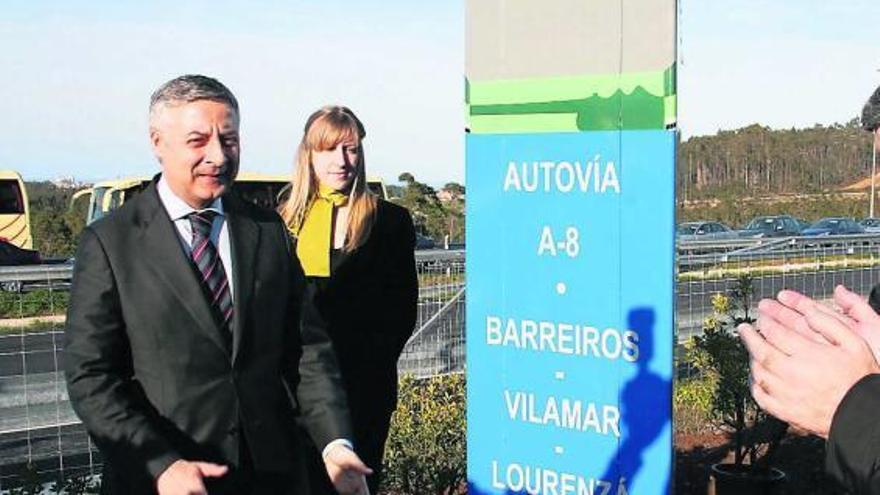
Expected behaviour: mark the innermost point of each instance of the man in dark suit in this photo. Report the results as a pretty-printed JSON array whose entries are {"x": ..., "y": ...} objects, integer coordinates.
[{"x": 184, "y": 357}]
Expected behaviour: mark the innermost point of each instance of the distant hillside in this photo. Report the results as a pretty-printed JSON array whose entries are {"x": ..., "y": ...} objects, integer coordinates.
[
  {"x": 736, "y": 210},
  {"x": 759, "y": 161}
]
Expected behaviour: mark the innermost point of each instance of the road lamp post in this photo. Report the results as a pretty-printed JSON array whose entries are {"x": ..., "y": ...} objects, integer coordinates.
[{"x": 874, "y": 146}]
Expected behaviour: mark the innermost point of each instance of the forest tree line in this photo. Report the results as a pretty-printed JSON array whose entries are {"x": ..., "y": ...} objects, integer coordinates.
[{"x": 757, "y": 160}]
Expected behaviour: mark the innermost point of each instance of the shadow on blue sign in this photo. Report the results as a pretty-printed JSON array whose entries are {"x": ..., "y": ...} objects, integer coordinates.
[
  {"x": 639, "y": 410},
  {"x": 643, "y": 417}
]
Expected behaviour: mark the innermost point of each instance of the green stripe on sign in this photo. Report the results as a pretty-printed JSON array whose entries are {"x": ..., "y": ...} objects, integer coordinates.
[
  {"x": 657, "y": 83},
  {"x": 669, "y": 80},
  {"x": 638, "y": 110},
  {"x": 639, "y": 100}
]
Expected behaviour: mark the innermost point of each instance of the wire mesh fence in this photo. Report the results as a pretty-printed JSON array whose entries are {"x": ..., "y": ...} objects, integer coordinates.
[
  {"x": 811, "y": 265},
  {"x": 437, "y": 344},
  {"x": 40, "y": 437}
]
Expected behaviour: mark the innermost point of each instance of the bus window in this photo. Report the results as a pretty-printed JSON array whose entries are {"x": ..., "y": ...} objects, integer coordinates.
[
  {"x": 96, "y": 206},
  {"x": 10, "y": 197},
  {"x": 80, "y": 199},
  {"x": 15, "y": 222},
  {"x": 377, "y": 187},
  {"x": 115, "y": 200}
]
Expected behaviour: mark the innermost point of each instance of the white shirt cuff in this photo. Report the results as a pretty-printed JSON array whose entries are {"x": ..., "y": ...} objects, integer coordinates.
[{"x": 332, "y": 445}]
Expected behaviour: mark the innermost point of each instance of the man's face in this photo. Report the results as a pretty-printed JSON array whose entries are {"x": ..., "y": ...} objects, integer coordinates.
[{"x": 197, "y": 145}]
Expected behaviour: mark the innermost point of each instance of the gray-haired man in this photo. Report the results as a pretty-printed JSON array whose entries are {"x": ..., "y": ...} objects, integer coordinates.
[{"x": 184, "y": 357}]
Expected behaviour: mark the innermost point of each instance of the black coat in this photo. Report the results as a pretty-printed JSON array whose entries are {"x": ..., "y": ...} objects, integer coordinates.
[
  {"x": 368, "y": 307},
  {"x": 852, "y": 455},
  {"x": 150, "y": 372}
]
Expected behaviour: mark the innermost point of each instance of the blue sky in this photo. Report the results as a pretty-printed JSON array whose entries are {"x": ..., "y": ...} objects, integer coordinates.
[
  {"x": 784, "y": 63},
  {"x": 77, "y": 75}
]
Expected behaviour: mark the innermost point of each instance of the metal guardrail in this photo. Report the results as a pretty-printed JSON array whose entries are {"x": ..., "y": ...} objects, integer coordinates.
[
  {"x": 59, "y": 275},
  {"x": 64, "y": 271},
  {"x": 698, "y": 254},
  {"x": 35, "y": 273},
  {"x": 684, "y": 247},
  {"x": 429, "y": 255},
  {"x": 33, "y": 277}
]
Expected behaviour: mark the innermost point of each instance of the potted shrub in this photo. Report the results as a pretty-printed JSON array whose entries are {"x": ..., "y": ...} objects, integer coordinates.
[{"x": 721, "y": 361}]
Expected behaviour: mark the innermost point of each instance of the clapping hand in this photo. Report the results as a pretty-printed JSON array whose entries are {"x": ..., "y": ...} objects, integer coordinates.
[{"x": 807, "y": 356}]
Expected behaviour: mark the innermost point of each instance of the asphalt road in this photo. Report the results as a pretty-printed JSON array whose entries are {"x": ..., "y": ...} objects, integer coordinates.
[
  {"x": 51, "y": 450},
  {"x": 31, "y": 353}
]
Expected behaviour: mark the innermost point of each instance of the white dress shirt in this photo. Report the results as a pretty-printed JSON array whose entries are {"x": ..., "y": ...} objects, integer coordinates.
[{"x": 179, "y": 212}]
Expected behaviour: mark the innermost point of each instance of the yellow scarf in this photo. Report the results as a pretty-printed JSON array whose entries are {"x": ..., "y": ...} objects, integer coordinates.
[{"x": 313, "y": 241}]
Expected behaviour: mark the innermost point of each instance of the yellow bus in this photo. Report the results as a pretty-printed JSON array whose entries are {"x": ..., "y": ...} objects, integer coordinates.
[
  {"x": 15, "y": 216},
  {"x": 79, "y": 196},
  {"x": 261, "y": 189},
  {"x": 111, "y": 194},
  {"x": 266, "y": 189}
]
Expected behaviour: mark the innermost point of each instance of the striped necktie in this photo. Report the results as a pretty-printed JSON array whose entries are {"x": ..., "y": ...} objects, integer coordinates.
[{"x": 207, "y": 259}]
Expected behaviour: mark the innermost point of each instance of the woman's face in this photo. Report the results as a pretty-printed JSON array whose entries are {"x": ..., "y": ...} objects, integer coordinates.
[{"x": 336, "y": 167}]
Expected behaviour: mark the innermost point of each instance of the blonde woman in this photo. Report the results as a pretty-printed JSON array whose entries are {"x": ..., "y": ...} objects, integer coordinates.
[{"x": 361, "y": 288}]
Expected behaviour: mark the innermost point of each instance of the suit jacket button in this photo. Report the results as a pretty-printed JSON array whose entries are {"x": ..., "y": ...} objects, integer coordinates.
[{"x": 233, "y": 430}]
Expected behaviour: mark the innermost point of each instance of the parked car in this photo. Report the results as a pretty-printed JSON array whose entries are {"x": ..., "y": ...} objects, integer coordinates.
[
  {"x": 704, "y": 231},
  {"x": 771, "y": 226},
  {"x": 834, "y": 226},
  {"x": 871, "y": 225},
  {"x": 802, "y": 224},
  {"x": 424, "y": 242}
]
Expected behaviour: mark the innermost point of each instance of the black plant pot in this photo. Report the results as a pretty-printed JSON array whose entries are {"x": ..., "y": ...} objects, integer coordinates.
[{"x": 729, "y": 479}]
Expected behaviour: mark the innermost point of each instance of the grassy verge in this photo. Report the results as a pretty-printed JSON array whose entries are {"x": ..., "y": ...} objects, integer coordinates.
[
  {"x": 775, "y": 267},
  {"x": 41, "y": 302}
]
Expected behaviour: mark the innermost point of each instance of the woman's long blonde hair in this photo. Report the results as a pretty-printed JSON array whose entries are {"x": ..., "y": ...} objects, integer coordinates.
[{"x": 325, "y": 129}]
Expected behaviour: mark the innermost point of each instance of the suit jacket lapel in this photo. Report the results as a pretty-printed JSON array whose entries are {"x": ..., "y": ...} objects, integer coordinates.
[
  {"x": 244, "y": 238},
  {"x": 169, "y": 262}
]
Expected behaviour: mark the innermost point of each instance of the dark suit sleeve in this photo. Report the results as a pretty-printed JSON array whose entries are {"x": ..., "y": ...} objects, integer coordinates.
[
  {"x": 97, "y": 364},
  {"x": 852, "y": 455},
  {"x": 401, "y": 285},
  {"x": 874, "y": 298},
  {"x": 322, "y": 403}
]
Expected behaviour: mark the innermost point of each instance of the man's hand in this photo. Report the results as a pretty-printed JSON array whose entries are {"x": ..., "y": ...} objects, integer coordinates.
[
  {"x": 855, "y": 313},
  {"x": 185, "y": 477},
  {"x": 804, "y": 361},
  {"x": 866, "y": 322},
  {"x": 347, "y": 471}
]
